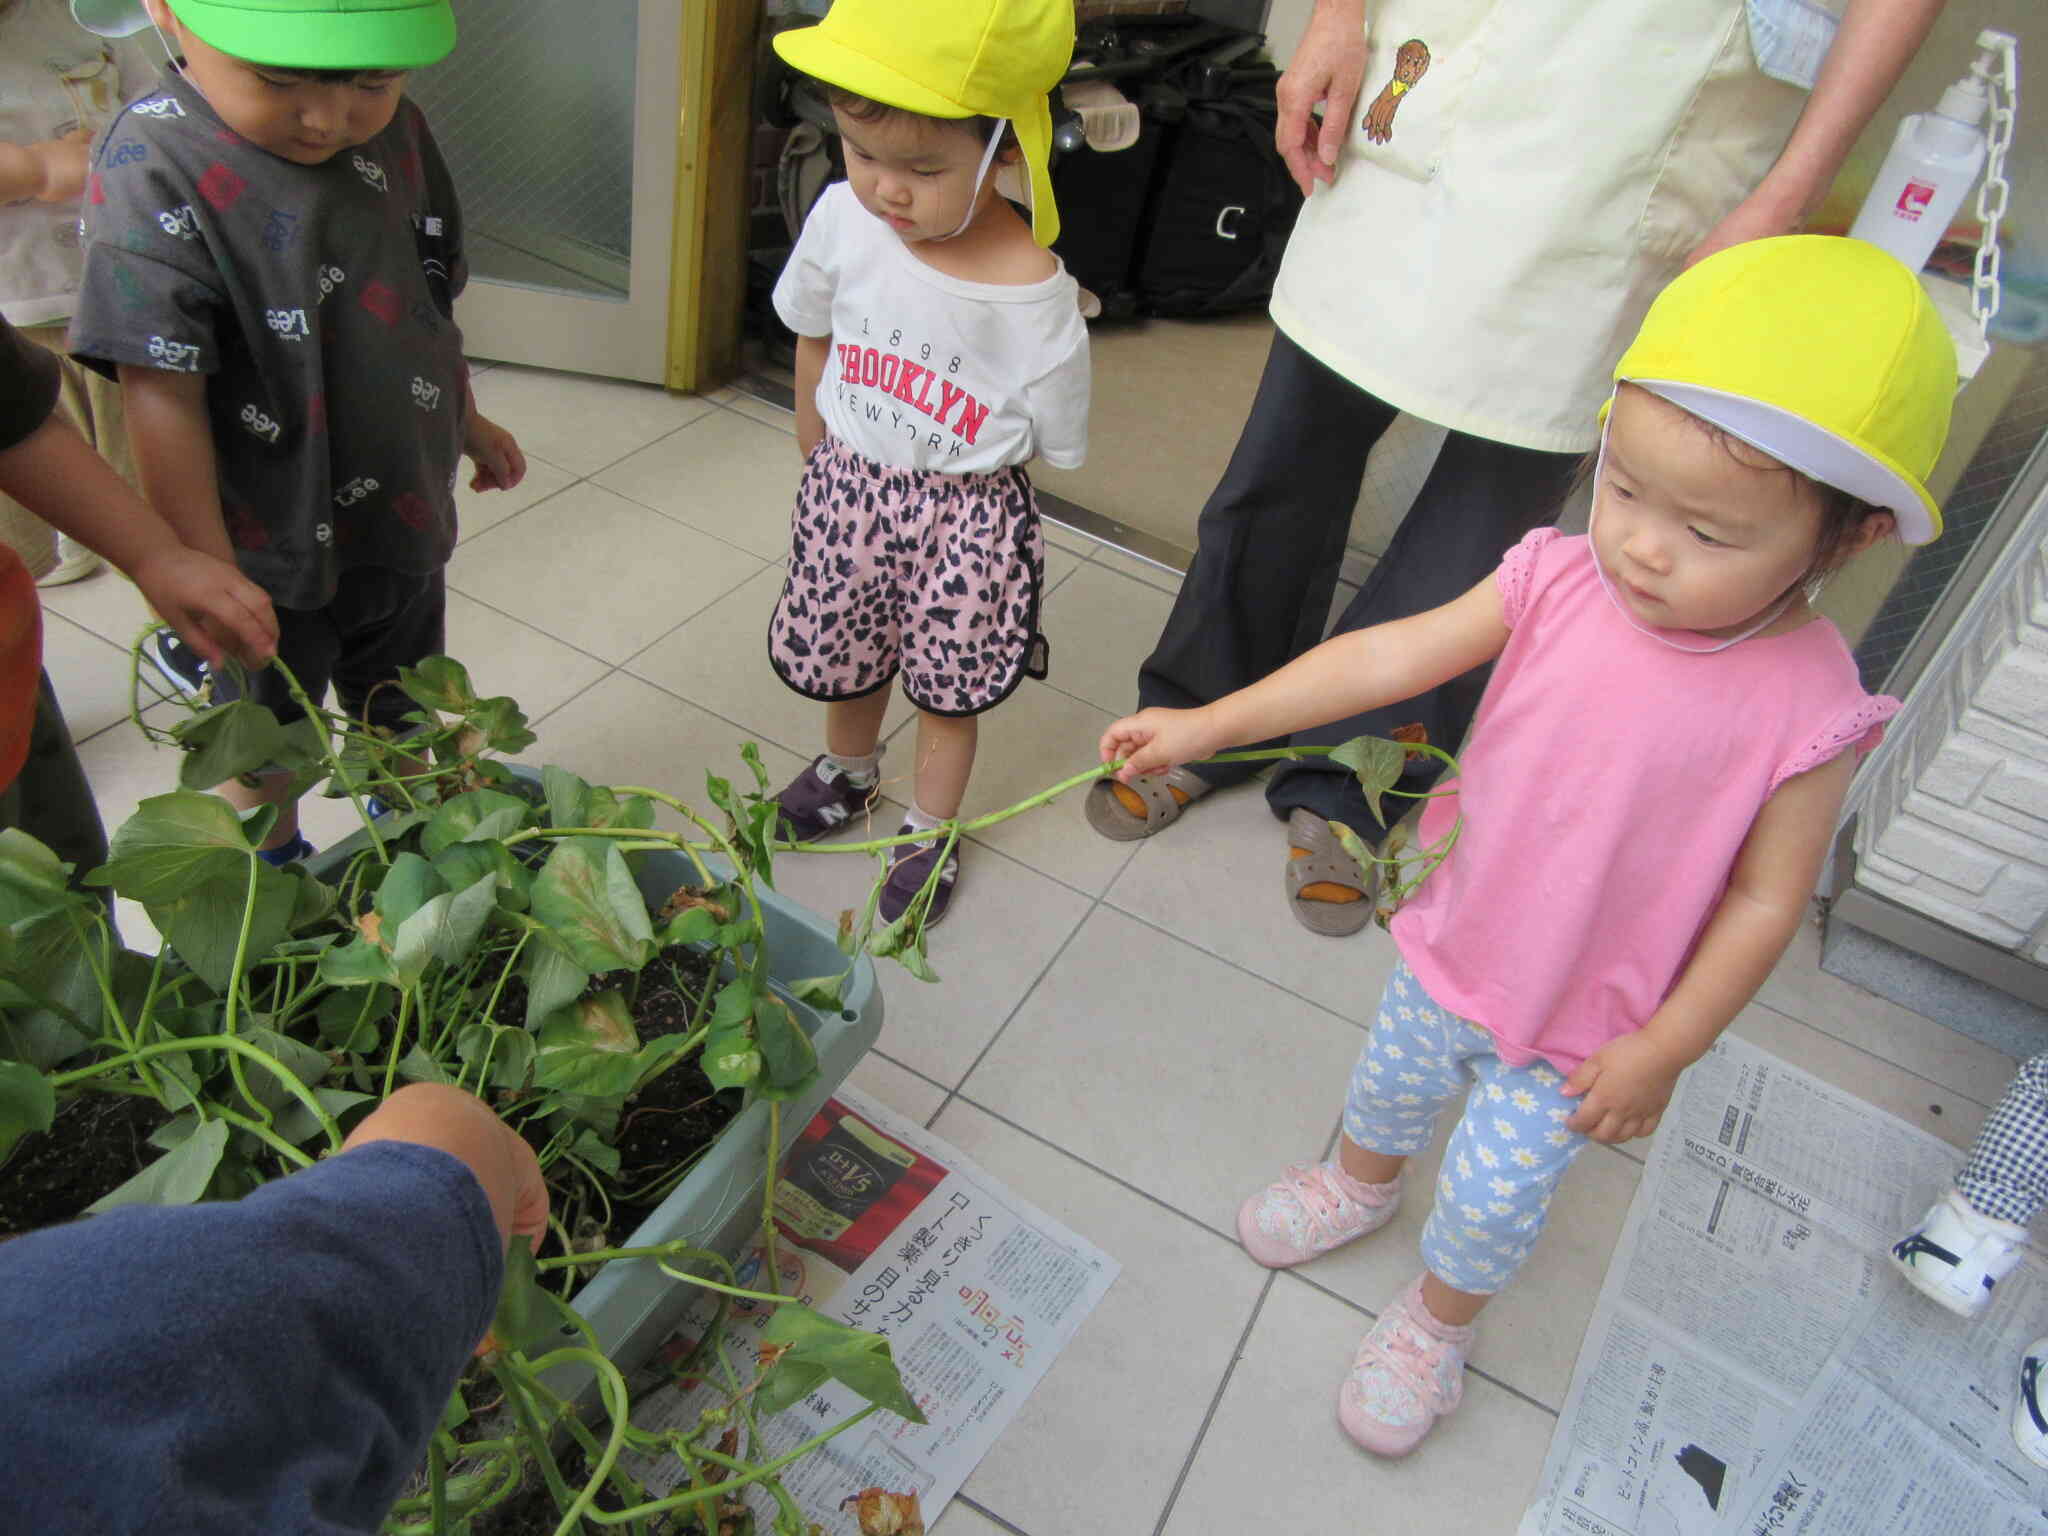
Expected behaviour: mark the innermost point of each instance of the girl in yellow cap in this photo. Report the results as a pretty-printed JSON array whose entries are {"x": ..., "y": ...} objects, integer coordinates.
[
  {"x": 940, "y": 347},
  {"x": 1649, "y": 788}
]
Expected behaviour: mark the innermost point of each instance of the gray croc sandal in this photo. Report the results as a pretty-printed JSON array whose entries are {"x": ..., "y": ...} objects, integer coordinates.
[
  {"x": 1326, "y": 861},
  {"x": 1106, "y": 813}
]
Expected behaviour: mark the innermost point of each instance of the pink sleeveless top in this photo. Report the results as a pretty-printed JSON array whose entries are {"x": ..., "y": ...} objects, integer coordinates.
[{"x": 1609, "y": 782}]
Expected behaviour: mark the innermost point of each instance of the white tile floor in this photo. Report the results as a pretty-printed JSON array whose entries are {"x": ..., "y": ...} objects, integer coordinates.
[{"x": 1133, "y": 1035}]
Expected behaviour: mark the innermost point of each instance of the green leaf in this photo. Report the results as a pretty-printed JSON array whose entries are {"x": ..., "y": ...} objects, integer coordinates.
[
  {"x": 525, "y": 1323},
  {"x": 510, "y": 1051},
  {"x": 553, "y": 978},
  {"x": 314, "y": 902},
  {"x": 502, "y": 726},
  {"x": 295, "y": 1122},
  {"x": 693, "y": 925},
  {"x": 821, "y": 992},
  {"x": 1377, "y": 762},
  {"x": 33, "y": 882},
  {"x": 179, "y": 1177},
  {"x": 446, "y": 928},
  {"x": 466, "y": 863},
  {"x": 788, "y": 1059},
  {"x": 750, "y": 754},
  {"x": 565, "y": 792},
  {"x": 732, "y": 1053},
  {"x": 590, "y": 1047},
  {"x": 170, "y": 843},
  {"x": 203, "y": 924},
  {"x": 814, "y": 1348},
  {"x": 27, "y": 1103},
  {"x": 474, "y": 816},
  {"x": 226, "y": 743},
  {"x": 588, "y": 1147},
  {"x": 360, "y": 964},
  {"x": 418, "y": 1066},
  {"x": 589, "y": 899},
  {"x": 409, "y": 885},
  {"x": 302, "y": 1061},
  {"x": 438, "y": 683},
  {"x": 1352, "y": 844},
  {"x": 336, "y": 1021}
]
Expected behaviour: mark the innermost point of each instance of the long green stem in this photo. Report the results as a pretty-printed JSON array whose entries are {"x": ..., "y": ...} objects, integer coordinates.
[
  {"x": 325, "y": 736},
  {"x": 731, "y": 1485},
  {"x": 231, "y": 1043}
]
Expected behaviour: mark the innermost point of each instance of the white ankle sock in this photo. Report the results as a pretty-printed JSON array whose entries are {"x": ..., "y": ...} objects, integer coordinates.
[
  {"x": 916, "y": 819},
  {"x": 860, "y": 772}
]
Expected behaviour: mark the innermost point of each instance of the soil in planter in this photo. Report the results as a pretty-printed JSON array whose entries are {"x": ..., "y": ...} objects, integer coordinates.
[
  {"x": 663, "y": 1128},
  {"x": 97, "y": 1143}
]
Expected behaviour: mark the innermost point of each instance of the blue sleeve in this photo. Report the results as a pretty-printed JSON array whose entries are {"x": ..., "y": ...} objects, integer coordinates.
[{"x": 275, "y": 1364}]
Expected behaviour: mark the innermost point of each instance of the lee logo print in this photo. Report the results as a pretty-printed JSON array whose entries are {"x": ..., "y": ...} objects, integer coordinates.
[
  {"x": 260, "y": 425},
  {"x": 174, "y": 356},
  {"x": 425, "y": 395},
  {"x": 181, "y": 222},
  {"x": 371, "y": 172},
  {"x": 161, "y": 106},
  {"x": 355, "y": 491},
  {"x": 289, "y": 323},
  {"x": 331, "y": 278}
]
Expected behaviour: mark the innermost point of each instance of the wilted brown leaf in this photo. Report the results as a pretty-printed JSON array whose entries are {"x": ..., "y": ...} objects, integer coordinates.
[
  {"x": 686, "y": 897},
  {"x": 371, "y": 926},
  {"x": 882, "y": 1513},
  {"x": 1409, "y": 736}
]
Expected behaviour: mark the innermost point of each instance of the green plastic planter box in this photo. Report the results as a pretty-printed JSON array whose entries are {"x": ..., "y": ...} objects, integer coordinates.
[{"x": 631, "y": 1305}]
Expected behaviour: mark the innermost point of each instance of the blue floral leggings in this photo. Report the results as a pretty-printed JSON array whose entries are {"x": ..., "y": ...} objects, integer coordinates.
[{"x": 1507, "y": 1153}]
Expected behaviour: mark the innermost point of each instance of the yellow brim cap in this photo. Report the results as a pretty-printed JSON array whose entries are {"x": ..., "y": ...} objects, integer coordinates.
[
  {"x": 1821, "y": 351},
  {"x": 818, "y": 53}
]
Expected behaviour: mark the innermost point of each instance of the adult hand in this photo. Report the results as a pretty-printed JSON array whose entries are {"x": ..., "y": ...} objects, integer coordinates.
[
  {"x": 499, "y": 463},
  {"x": 1154, "y": 740},
  {"x": 1625, "y": 1086},
  {"x": 215, "y": 608},
  {"x": 1757, "y": 217},
  {"x": 1327, "y": 67}
]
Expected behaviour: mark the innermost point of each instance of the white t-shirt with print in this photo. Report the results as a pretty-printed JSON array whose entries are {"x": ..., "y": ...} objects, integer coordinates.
[{"x": 929, "y": 371}]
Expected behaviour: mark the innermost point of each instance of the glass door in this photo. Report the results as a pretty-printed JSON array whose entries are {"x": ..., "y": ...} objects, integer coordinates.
[{"x": 559, "y": 123}]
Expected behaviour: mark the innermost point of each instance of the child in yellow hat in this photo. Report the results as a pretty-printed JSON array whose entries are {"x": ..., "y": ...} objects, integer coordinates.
[
  {"x": 1649, "y": 788},
  {"x": 940, "y": 349}
]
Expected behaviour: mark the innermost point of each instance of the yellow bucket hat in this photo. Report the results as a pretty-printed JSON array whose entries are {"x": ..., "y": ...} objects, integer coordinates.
[
  {"x": 951, "y": 58},
  {"x": 1824, "y": 352}
]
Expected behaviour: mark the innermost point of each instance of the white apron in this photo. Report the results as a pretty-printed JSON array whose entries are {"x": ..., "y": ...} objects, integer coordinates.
[{"x": 1541, "y": 178}]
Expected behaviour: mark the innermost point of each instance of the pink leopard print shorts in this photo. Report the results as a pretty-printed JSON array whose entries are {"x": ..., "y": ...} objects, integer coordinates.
[{"x": 932, "y": 575}]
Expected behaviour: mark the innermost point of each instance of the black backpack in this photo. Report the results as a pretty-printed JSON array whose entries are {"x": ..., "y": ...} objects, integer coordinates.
[{"x": 1193, "y": 218}]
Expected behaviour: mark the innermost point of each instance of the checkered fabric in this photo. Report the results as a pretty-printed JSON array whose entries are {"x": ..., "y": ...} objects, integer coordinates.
[
  {"x": 1507, "y": 1153},
  {"x": 2007, "y": 1174}
]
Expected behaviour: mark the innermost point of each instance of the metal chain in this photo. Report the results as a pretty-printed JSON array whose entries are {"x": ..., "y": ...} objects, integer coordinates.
[{"x": 1996, "y": 190}]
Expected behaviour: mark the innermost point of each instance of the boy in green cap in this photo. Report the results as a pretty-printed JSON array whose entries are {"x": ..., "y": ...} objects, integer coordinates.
[{"x": 274, "y": 251}]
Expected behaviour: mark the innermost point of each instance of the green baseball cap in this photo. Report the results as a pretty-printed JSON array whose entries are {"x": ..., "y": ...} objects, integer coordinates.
[{"x": 298, "y": 34}]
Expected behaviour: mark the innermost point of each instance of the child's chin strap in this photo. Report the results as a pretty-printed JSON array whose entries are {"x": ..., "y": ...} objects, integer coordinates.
[
  {"x": 1770, "y": 614},
  {"x": 176, "y": 61},
  {"x": 988, "y": 158}
]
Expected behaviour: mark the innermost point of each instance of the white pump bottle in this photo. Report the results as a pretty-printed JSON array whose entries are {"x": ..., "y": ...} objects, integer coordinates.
[{"x": 1933, "y": 163}]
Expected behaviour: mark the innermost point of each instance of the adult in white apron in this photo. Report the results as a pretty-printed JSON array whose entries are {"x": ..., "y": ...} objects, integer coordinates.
[{"x": 1498, "y": 188}]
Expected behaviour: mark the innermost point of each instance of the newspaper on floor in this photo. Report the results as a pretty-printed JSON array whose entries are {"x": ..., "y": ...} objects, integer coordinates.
[
  {"x": 1754, "y": 1366},
  {"x": 882, "y": 1225}
]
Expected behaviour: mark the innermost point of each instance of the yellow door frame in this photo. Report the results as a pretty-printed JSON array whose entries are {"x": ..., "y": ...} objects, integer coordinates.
[{"x": 708, "y": 254}]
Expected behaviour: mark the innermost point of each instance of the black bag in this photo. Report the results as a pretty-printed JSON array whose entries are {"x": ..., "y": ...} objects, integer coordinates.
[
  {"x": 1191, "y": 219},
  {"x": 1224, "y": 206}
]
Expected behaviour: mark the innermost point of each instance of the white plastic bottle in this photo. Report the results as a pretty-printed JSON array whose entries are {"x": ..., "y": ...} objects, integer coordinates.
[{"x": 1933, "y": 164}]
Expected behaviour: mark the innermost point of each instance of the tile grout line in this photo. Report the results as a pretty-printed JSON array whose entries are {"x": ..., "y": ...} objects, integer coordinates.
[
  {"x": 1866, "y": 1051},
  {"x": 1215, "y": 1402}
]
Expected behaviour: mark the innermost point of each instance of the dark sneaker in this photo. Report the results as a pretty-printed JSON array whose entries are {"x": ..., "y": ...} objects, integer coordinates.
[
  {"x": 287, "y": 853},
  {"x": 178, "y": 662},
  {"x": 819, "y": 800},
  {"x": 910, "y": 867}
]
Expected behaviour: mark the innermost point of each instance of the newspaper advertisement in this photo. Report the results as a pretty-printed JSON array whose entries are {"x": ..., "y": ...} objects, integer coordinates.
[
  {"x": 882, "y": 1225},
  {"x": 1754, "y": 1366}
]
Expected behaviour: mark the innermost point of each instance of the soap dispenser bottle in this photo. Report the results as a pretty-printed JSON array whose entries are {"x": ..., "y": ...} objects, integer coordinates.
[{"x": 1933, "y": 163}]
